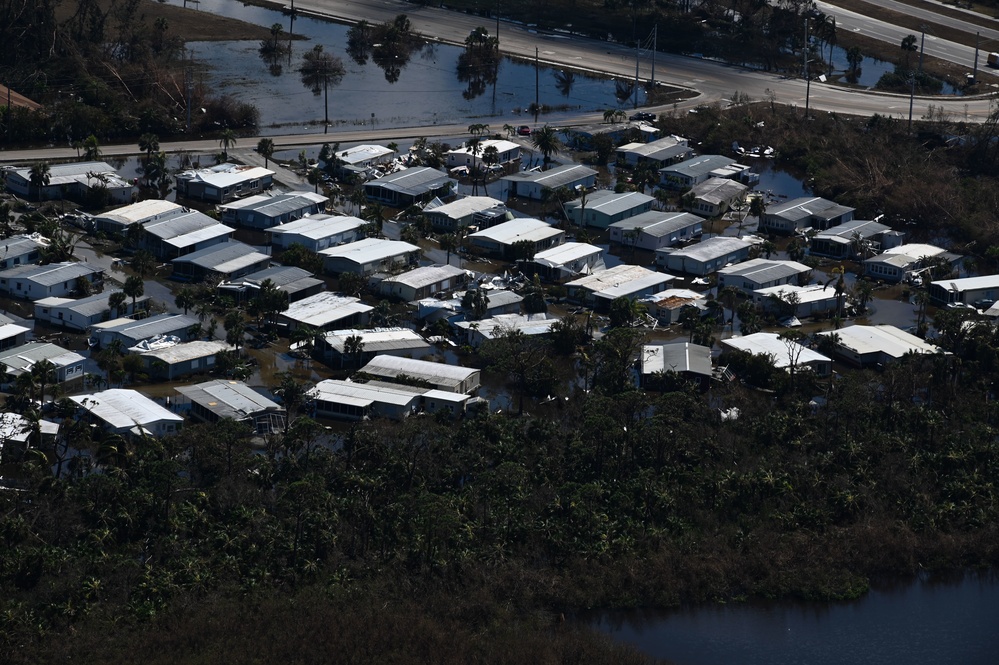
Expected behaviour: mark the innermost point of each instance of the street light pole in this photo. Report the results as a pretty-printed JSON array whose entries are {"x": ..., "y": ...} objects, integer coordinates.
[
  {"x": 912, "y": 94},
  {"x": 808, "y": 87}
]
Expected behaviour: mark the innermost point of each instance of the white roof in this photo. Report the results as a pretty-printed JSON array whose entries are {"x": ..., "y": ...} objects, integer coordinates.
[
  {"x": 711, "y": 248},
  {"x": 465, "y": 206},
  {"x": 228, "y": 399},
  {"x": 363, "y": 394},
  {"x": 516, "y": 230},
  {"x": 363, "y": 153},
  {"x": 123, "y": 408},
  {"x": 620, "y": 280},
  {"x": 370, "y": 249},
  {"x": 194, "y": 237},
  {"x": 425, "y": 276},
  {"x": 496, "y": 326},
  {"x": 565, "y": 253},
  {"x": 501, "y": 145},
  {"x": 183, "y": 352},
  {"x": 765, "y": 270},
  {"x": 806, "y": 294},
  {"x": 136, "y": 213},
  {"x": 319, "y": 226},
  {"x": 21, "y": 358},
  {"x": 885, "y": 339},
  {"x": 915, "y": 250},
  {"x": 377, "y": 339},
  {"x": 968, "y": 283},
  {"x": 226, "y": 175},
  {"x": 8, "y": 330},
  {"x": 435, "y": 373},
  {"x": 15, "y": 427},
  {"x": 783, "y": 351},
  {"x": 324, "y": 308}
]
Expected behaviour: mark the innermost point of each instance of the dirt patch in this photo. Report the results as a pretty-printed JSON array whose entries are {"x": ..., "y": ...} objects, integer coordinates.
[{"x": 191, "y": 25}]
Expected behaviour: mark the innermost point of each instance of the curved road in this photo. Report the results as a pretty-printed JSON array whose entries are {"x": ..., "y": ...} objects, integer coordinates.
[{"x": 714, "y": 81}]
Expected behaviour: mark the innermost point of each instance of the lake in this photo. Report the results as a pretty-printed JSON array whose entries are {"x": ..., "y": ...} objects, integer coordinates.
[
  {"x": 927, "y": 621},
  {"x": 426, "y": 93}
]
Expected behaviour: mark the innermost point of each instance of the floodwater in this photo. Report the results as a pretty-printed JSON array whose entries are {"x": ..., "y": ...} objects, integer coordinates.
[
  {"x": 427, "y": 91},
  {"x": 925, "y": 621},
  {"x": 871, "y": 69}
]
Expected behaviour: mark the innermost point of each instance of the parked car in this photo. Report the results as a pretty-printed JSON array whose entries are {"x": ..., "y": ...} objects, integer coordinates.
[
  {"x": 643, "y": 115},
  {"x": 524, "y": 130}
]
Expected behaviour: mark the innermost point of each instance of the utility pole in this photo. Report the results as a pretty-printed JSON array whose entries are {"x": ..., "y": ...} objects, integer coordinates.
[
  {"x": 922, "y": 42},
  {"x": 10, "y": 115},
  {"x": 638, "y": 54},
  {"x": 655, "y": 44},
  {"x": 804, "y": 52},
  {"x": 497, "y": 25},
  {"x": 537, "y": 86},
  {"x": 189, "y": 91},
  {"x": 912, "y": 94},
  {"x": 974, "y": 71},
  {"x": 808, "y": 79}
]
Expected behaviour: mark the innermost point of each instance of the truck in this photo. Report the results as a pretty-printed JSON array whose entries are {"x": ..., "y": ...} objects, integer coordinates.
[{"x": 993, "y": 59}]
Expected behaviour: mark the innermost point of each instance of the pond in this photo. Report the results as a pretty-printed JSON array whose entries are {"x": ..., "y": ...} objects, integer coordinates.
[
  {"x": 925, "y": 621},
  {"x": 427, "y": 91},
  {"x": 870, "y": 70}
]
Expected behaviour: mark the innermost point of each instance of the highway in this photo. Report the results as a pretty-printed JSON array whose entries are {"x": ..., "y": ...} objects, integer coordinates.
[{"x": 713, "y": 81}]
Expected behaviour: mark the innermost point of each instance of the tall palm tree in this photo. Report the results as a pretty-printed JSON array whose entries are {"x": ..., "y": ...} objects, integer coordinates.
[
  {"x": 115, "y": 302},
  {"x": 40, "y": 176},
  {"x": 352, "y": 346},
  {"x": 186, "y": 299},
  {"x": 908, "y": 46},
  {"x": 227, "y": 141},
  {"x": 149, "y": 143},
  {"x": 547, "y": 142},
  {"x": 133, "y": 288},
  {"x": 142, "y": 262},
  {"x": 319, "y": 71},
  {"x": 91, "y": 149},
  {"x": 266, "y": 148}
]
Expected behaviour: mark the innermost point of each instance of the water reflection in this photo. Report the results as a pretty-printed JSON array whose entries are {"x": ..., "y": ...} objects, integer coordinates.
[
  {"x": 929, "y": 620},
  {"x": 426, "y": 91}
]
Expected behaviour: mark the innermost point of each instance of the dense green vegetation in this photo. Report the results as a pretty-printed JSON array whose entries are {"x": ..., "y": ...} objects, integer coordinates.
[
  {"x": 494, "y": 525},
  {"x": 105, "y": 68}
]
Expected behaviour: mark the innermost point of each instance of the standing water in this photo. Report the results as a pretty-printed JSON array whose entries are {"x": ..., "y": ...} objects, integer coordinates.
[
  {"x": 924, "y": 622},
  {"x": 425, "y": 90}
]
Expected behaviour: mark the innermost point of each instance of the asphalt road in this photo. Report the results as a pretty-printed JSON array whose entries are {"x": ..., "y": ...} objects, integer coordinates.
[
  {"x": 934, "y": 46},
  {"x": 714, "y": 81}
]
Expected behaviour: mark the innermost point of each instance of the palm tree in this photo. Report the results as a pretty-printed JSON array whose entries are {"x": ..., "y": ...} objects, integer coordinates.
[
  {"x": 227, "y": 141},
  {"x": 449, "y": 243},
  {"x": 908, "y": 46},
  {"x": 854, "y": 57},
  {"x": 186, "y": 299},
  {"x": 266, "y": 148},
  {"x": 149, "y": 143},
  {"x": 319, "y": 71},
  {"x": 115, "y": 301},
  {"x": 142, "y": 262},
  {"x": 91, "y": 149},
  {"x": 352, "y": 346},
  {"x": 133, "y": 288},
  {"x": 40, "y": 176},
  {"x": 547, "y": 142}
]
